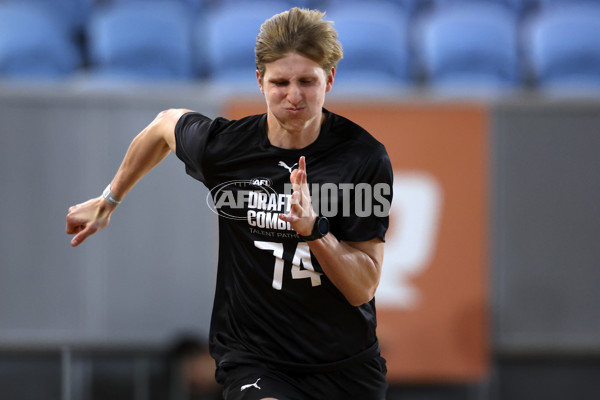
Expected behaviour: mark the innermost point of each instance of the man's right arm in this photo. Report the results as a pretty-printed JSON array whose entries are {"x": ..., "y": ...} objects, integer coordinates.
[{"x": 146, "y": 151}]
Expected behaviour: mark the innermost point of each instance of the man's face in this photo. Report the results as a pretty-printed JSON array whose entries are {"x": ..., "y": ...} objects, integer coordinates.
[{"x": 294, "y": 87}]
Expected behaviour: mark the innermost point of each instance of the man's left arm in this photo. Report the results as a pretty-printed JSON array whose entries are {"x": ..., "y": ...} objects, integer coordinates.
[{"x": 353, "y": 267}]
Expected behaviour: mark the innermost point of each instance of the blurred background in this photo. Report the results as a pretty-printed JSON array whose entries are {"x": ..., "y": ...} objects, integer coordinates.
[{"x": 489, "y": 109}]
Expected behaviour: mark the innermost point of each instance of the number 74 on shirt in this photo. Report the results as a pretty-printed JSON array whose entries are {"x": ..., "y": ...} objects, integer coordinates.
[{"x": 301, "y": 259}]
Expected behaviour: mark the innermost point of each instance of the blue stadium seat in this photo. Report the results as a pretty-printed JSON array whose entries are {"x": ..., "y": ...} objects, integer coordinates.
[
  {"x": 71, "y": 14},
  {"x": 408, "y": 5},
  {"x": 515, "y": 6},
  {"x": 545, "y": 4},
  {"x": 193, "y": 6},
  {"x": 286, "y": 3},
  {"x": 469, "y": 49},
  {"x": 231, "y": 34},
  {"x": 33, "y": 44},
  {"x": 561, "y": 46},
  {"x": 374, "y": 39},
  {"x": 148, "y": 40}
]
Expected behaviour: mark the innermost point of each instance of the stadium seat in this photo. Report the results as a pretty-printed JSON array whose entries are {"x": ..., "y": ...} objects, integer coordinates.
[
  {"x": 141, "y": 41},
  {"x": 545, "y": 4},
  {"x": 374, "y": 39},
  {"x": 561, "y": 48},
  {"x": 286, "y": 3},
  {"x": 72, "y": 14},
  {"x": 231, "y": 34},
  {"x": 469, "y": 49},
  {"x": 408, "y": 5},
  {"x": 193, "y": 6},
  {"x": 33, "y": 44},
  {"x": 513, "y": 5}
]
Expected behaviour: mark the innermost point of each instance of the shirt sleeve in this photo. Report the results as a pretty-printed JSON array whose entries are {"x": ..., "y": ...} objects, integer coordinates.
[
  {"x": 369, "y": 216},
  {"x": 192, "y": 133}
]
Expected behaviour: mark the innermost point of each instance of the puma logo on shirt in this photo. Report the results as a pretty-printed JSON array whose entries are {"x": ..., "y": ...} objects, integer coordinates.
[
  {"x": 284, "y": 165},
  {"x": 255, "y": 384}
]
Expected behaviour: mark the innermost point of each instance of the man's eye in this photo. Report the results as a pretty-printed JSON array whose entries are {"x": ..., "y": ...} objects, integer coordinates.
[
  {"x": 306, "y": 81},
  {"x": 280, "y": 83}
]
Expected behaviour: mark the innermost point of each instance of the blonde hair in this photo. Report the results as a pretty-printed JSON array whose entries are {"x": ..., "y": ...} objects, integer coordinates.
[{"x": 298, "y": 30}]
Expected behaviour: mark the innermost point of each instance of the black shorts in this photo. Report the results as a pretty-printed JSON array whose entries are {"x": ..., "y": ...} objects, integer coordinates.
[{"x": 365, "y": 381}]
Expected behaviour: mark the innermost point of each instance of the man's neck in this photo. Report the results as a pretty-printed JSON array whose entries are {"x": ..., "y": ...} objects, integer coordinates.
[{"x": 291, "y": 137}]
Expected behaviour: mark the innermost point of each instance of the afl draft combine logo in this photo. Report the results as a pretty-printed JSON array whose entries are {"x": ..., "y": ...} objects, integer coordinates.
[
  {"x": 261, "y": 182},
  {"x": 255, "y": 200},
  {"x": 228, "y": 198}
]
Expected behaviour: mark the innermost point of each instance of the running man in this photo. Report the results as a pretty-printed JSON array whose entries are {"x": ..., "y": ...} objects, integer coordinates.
[{"x": 303, "y": 197}]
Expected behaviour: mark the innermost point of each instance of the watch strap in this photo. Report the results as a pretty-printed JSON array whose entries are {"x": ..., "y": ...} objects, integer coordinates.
[{"x": 317, "y": 233}]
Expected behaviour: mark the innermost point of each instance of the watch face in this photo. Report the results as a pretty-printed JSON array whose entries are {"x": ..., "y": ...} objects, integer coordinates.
[{"x": 323, "y": 226}]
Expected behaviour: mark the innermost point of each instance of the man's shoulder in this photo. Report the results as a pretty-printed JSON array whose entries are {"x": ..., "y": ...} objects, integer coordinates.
[
  {"x": 245, "y": 124},
  {"x": 222, "y": 124},
  {"x": 354, "y": 134}
]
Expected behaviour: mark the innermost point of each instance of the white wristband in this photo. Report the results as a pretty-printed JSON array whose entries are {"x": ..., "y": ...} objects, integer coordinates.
[{"x": 110, "y": 198}]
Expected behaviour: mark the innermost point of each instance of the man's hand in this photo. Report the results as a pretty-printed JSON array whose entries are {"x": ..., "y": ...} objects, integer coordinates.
[
  {"x": 301, "y": 216},
  {"x": 87, "y": 218},
  {"x": 146, "y": 151}
]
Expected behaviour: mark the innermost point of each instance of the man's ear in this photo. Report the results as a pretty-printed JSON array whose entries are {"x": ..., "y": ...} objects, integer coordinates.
[
  {"x": 330, "y": 78},
  {"x": 259, "y": 82}
]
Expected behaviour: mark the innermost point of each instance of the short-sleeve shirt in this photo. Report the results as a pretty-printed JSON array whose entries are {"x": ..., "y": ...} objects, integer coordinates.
[{"x": 272, "y": 301}]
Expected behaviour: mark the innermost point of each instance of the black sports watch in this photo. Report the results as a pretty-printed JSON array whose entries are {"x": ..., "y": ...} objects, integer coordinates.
[{"x": 320, "y": 229}]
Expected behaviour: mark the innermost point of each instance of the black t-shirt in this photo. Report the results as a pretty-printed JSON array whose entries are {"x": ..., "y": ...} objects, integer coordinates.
[{"x": 272, "y": 301}]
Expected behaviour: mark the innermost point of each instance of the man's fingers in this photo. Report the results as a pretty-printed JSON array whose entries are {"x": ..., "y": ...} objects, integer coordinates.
[
  {"x": 75, "y": 229},
  {"x": 77, "y": 240},
  {"x": 298, "y": 179},
  {"x": 287, "y": 217},
  {"x": 301, "y": 177},
  {"x": 72, "y": 227},
  {"x": 81, "y": 236},
  {"x": 295, "y": 198},
  {"x": 301, "y": 171},
  {"x": 300, "y": 205},
  {"x": 74, "y": 224},
  {"x": 302, "y": 163},
  {"x": 296, "y": 201},
  {"x": 293, "y": 176}
]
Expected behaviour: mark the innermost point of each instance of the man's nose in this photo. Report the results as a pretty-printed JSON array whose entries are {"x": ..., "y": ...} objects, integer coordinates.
[{"x": 294, "y": 94}]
